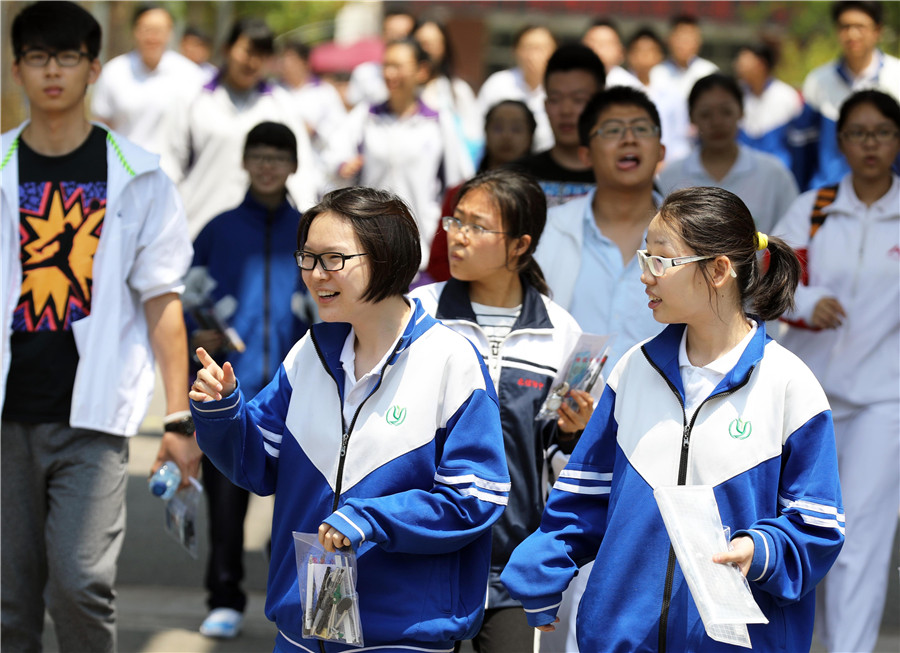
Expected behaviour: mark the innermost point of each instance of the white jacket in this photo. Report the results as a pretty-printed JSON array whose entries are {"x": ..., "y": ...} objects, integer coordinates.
[
  {"x": 144, "y": 252},
  {"x": 854, "y": 257}
]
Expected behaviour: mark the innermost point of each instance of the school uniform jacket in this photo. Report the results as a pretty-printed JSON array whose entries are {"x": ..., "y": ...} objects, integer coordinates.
[
  {"x": 763, "y": 440},
  {"x": 415, "y": 480},
  {"x": 524, "y": 366},
  {"x": 144, "y": 252}
]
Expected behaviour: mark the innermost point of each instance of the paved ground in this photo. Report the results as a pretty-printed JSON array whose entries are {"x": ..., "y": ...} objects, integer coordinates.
[{"x": 160, "y": 598}]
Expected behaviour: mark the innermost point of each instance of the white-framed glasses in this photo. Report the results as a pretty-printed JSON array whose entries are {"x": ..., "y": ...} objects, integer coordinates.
[
  {"x": 451, "y": 224},
  {"x": 330, "y": 261},
  {"x": 657, "y": 265}
]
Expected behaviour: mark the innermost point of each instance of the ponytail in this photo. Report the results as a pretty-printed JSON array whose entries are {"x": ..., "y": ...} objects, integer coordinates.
[
  {"x": 771, "y": 292},
  {"x": 531, "y": 273}
]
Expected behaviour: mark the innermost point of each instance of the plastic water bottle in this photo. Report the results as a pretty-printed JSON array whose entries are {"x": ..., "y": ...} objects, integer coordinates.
[{"x": 165, "y": 481}]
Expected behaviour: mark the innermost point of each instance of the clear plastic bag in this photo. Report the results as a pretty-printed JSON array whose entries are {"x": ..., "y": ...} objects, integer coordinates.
[
  {"x": 581, "y": 371},
  {"x": 328, "y": 598},
  {"x": 181, "y": 516}
]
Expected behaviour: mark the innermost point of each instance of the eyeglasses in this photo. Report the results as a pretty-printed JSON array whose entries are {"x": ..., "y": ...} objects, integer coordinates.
[
  {"x": 883, "y": 135},
  {"x": 257, "y": 158},
  {"x": 40, "y": 58},
  {"x": 615, "y": 129},
  {"x": 452, "y": 224},
  {"x": 330, "y": 261},
  {"x": 657, "y": 265}
]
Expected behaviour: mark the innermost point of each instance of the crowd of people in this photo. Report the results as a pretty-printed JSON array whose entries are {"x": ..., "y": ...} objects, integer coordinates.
[{"x": 358, "y": 296}]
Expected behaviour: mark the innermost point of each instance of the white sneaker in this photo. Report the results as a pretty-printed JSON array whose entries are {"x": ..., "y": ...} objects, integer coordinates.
[{"x": 223, "y": 623}]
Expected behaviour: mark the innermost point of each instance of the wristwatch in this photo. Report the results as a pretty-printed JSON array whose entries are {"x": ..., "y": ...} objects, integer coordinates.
[{"x": 182, "y": 426}]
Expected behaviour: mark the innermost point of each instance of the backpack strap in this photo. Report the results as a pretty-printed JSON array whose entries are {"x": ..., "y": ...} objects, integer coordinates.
[{"x": 824, "y": 198}]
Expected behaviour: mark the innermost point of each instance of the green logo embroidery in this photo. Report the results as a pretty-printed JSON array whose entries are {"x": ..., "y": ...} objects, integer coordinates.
[
  {"x": 740, "y": 430},
  {"x": 395, "y": 415}
]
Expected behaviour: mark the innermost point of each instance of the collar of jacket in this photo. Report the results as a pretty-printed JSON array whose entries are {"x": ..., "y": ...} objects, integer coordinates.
[
  {"x": 253, "y": 206},
  {"x": 329, "y": 338},
  {"x": 454, "y": 304},
  {"x": 662, "y": 352}
]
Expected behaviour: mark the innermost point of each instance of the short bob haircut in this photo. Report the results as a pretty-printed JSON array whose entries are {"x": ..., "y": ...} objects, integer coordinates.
[
  {"x": 272, "y": 134},
  {"x": 257, "y": 31},
  {"x": 55, "y": 26},
  {"x": 884, "y": 103},
  {"x": 614, "y": 96},
  {"x": 387, "y": 231}
]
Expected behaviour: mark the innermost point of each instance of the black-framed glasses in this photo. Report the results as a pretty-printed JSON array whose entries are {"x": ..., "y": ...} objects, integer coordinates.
[
  {"x": 451, "y": 224},
  {"x": 39, "y": 58},
  {"x": 330, "y": 261},
  {"x": 613, "y": 130},
  {"x": 882, "y": 135}
]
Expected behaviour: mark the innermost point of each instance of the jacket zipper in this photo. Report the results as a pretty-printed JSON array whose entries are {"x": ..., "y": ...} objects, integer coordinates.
[
  {"x": 345, "y": 438},
  {"x": 267, "y": 279},
  {"x": 682, "y": 478}
]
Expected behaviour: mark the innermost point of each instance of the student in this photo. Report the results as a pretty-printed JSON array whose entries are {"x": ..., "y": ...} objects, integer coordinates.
[
  {"x": 445, "y": 91},
  {"x": 587, "y": 250},
  {"x": 402, "y": 145},
  {"x": 244, "y": 269},
  {"x": 498, "y": 299},
  {"x": 206, "y": 135},
  {"x": 664, "y": 419},
  {"x": 366, "y": 85},
  {"x": 508, "y": 134},
  {"x": 415, "y": 495},
  {"x": 533, "y": 45},
  {"x": 136, "y": 89},
  {"x": 684, "y": 66},
  {"x": 574, "y": 75},
  {"x": 764, "y": 184},
  {"x": 818, "y": 161},
  {"x": 604, "y": 39},
  {"x": 94, "y": 249},
  {"x": 847, "y": 329},
  {"x": 770, "y": 105}
]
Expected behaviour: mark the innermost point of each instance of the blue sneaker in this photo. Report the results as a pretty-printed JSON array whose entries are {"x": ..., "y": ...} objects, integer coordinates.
[{"x": 222, "y": 623}]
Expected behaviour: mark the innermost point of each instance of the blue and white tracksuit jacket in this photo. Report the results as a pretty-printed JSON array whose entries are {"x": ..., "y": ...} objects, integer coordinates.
[
  {"x": 777, "y": 484},
  {"x": 523, "y": 369},
  {"x": 244, "y": 266},
  {"x": 415, "y": 480}
]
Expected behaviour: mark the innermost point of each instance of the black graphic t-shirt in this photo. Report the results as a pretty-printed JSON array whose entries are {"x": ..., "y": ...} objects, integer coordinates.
[
  {"x": 62, "y": 203},
  {"x": 559, "y": 184}
]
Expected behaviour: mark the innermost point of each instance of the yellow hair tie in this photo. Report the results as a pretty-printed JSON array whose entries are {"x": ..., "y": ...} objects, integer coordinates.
[{"x": 763, "y": 241}]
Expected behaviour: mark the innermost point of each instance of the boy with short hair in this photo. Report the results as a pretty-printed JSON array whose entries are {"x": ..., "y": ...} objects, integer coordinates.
[
  {"x": 244, "y": 268},
  {"x": 94, "y": 249},
  {"x": 574, "y": 74}
]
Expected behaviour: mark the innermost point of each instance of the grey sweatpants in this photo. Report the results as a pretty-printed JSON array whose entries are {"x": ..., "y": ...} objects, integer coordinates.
[{"x": 63, "y": 503}]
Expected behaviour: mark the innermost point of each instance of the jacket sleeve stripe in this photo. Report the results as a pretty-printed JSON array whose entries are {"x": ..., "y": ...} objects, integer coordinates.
[
  {"x": 766, "y": 543},
  {"x": 545, "y": 608},
  {"x": 273, "y": 438},
  {"x": 484, "y": 496},
  {"x": 471, "y": 478},
  {"x": 357, "y": 528},
  {"x": 198, "y": 406},
  {"x": 823, "y": 515},
  {"x": 272, "y": 451},
  {"x": 587, "y": 476},
  {"x": 580, "y": 489}
]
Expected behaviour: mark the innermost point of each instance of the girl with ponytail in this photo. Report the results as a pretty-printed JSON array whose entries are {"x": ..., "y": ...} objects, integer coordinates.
[
  {"x": 712, "y": 400},
  {"x": 497, "y": 297}
]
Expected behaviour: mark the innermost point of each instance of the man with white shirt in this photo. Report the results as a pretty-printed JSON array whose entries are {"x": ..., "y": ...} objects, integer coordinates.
[
  {"x": 136, "y": 89},
  {"x": 603, "y": 38},
  {"x": 684, "y": 65}
]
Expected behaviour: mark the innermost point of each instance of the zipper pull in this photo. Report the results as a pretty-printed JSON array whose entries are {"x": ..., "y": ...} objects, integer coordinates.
[
  {"x": 344, "y": 441},
  {"x": 686, "y": 439},
  {"x": 495, "y": 348}
]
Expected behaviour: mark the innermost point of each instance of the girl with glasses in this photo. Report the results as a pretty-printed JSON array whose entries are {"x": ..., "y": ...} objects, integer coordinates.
[
  {"x": 380, "y": 431},
  {"x": 846, "y": 327},
  {"x": 712, "y": 400},
  {"x": 498, "y": 299}
]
